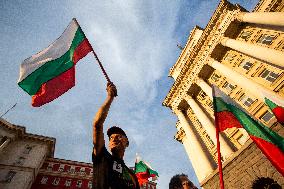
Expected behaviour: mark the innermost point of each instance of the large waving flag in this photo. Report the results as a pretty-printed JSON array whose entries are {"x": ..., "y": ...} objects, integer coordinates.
[
  {"x": 51, "y": 72},
  {"x": 228, "y": 114},
  {"x": 144, "y": 171}
]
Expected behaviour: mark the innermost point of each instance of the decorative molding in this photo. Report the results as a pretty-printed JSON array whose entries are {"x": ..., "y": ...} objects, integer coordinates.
[{"x": 215, "y": 29}]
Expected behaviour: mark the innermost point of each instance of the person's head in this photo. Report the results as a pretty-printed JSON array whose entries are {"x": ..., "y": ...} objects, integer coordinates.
[
  {"x": 181, "y": 181},
  {"x": 118, "y": 141}
]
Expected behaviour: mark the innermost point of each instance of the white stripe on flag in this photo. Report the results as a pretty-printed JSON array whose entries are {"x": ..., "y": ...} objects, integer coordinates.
[{"x": 52, "y": 52}]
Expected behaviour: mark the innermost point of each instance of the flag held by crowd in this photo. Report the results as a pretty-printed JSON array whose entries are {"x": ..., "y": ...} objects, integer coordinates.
[
  {"x": 228, "y": 114},
  {"x": 51, "y": 72},
  {"x": 144, "y": 171}
]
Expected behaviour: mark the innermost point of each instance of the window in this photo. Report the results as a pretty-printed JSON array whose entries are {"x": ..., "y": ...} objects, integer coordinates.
[
  {"x": 247, "y": 101},
  {"x": 202, "y": 95},
  {"x": 246, "y": 35},
  {"x": 28, "y": 149},
  {"x": 61, "y": 168},
  {"x": 20, "y": 161},
  {"x": 230, "y": 57},
  {"x": 56, "y": 181},
  {"x": 242, "y": 139},
  {"x": 269, "y": 75},
  {"x": 266, "y": 39},
  {"x": 90, "y": 184},
  {"x": 82, "y": 170},
  {"x": 229, "y": 87},
  {"x": 246, "y": 64},
  {"x": 68, "y": 182},
  {"x": 215, "y": 77},
  {"x": 10, "y": 175},
  {"x": 79, "y": 184},
  {"x": 50, "y": 166},
  {"x": 72, "y": 169},
  {"x": 210, "y": 104},
  {"x": 44, "y": 180},
  {"x": 267, "y": 116}
]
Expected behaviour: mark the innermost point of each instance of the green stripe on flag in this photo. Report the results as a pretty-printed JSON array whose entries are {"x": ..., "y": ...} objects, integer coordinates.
[
  {"x": 220, "y": 105},
  {"x": 51, "y": 69},
  {"x": 253, "y": 127},
  {"x": 269, "y": 103}
]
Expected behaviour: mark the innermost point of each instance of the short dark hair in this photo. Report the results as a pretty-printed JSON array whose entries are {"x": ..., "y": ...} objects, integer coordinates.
[{"x": 177, "y": 182}]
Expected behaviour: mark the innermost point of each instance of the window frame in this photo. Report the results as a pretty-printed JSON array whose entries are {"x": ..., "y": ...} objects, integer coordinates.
[{"x": 264, "y": 114}]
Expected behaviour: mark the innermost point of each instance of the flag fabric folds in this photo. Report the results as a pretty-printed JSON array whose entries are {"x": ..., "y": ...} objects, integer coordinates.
[
  {"x": 228, "y": 114},
  {"x": 51, "y": 72},
  {"x": 144, "y": 171}
]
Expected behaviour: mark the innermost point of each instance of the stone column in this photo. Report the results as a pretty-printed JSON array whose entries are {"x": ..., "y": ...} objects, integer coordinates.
[
  {"x": 263, "y": 53},
  {"x": 199, "y": 160},
  {"x": 208, "y": 126},
  {"x": 243, "y": 82},
  {"x": 205, "y": 87},
  {"x": 267, "y": 18}
]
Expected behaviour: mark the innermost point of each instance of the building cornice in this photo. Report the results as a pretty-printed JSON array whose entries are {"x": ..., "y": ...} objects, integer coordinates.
[
  {"x": 185, "y": 49},
  {"x": 69, "y": 162},
  {"x": 21, "y": 134},
  {"x": 209, "y": 38}
]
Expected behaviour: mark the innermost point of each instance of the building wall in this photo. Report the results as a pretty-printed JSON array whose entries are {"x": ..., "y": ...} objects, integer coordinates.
[
  {"x": 243, "y": 169},
  {"x": 21, "y": 156},
  {"x": 57, "y": 173},
  {"x": 191, "y": 94}
]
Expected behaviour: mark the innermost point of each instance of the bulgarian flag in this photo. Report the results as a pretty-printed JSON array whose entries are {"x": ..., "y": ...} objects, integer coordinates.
[
  {"x": 228, "y": 114},
  {"x": 144, "y": 171},
  {"x": 51, "y": 72},
  {"x": 276, "y": 105}
]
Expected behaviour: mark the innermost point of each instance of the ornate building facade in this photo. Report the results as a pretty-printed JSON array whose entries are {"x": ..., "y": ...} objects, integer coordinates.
[
  {"x": 236, "y": 50},
  {"x": 27, "y": 162}
]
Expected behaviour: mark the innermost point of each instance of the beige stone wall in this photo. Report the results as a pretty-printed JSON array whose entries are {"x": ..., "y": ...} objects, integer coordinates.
[
  {"x": 244, "y": 169},
  {"x": 21, "y": 156},
  {"x": 26, "y": 163},
  {"x": 21, "y": 180}
]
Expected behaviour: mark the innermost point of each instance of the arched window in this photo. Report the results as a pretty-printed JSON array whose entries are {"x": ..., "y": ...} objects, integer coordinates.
[{"x": 265, "y": 183}]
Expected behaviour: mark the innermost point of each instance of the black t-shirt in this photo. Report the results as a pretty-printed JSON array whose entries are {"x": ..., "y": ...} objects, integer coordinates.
[{"x": 112, "y": 173}]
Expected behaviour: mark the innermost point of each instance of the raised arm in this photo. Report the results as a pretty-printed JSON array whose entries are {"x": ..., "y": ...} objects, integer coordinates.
[{"x": 99, "y": 119}]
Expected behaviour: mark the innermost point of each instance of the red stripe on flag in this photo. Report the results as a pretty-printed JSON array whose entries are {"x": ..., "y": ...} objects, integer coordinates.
[
  {"x": 225, "y": 120},
  {"x": 55, "y": 87},
  {"x": 82, "y": 50},
  {"x": 279, "y": 114},
  {"x": 272, "y": 152},
  {"x": 142, "y": 177}
]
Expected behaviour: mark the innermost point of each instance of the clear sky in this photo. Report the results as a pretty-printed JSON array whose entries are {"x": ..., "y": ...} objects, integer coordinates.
[{"x": 136, "y": 42}]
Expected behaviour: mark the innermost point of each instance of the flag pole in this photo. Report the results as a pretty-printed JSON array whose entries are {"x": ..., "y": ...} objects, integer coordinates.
[
  {"x": 9, "y": 110},
  {"x": 98, "y": 60},
  {"x": 218, "y": 141},
  {"x": 219, "y": 157}
]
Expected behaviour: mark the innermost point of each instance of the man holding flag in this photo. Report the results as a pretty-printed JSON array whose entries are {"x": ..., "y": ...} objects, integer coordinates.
[{"x": 110, "y": 170}]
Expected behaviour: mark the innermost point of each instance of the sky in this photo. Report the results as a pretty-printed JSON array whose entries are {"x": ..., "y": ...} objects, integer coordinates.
[{"x": 136, "y": 43}]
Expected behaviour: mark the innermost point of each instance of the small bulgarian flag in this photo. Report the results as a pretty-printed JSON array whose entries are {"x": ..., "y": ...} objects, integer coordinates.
[
  {"x": 144, "y": 171},
  {"x": 228, "y": 114},
  {"x": 51, "y": 72},
  {"x": 276, "y": 105}
]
